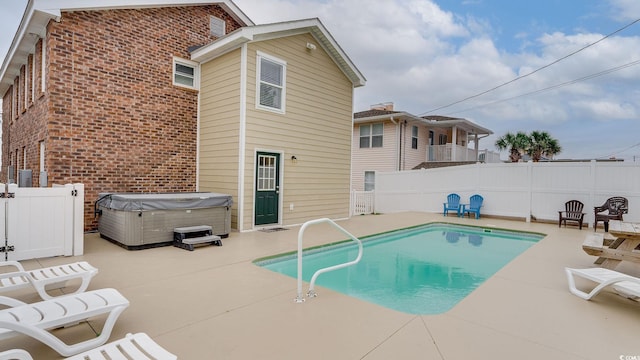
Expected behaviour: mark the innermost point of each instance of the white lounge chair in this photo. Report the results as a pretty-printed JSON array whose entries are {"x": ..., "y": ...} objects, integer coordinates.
[
  {"x": 134, "y": 346},
  {"x": 45, "y": 278},
  {"x": 625, "y": 285},
  {"x": 36, "y": 319}
]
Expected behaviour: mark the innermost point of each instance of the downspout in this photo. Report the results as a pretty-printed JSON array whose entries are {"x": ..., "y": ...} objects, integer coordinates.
[
  {"x": 198, "y": 131},
  {"x": 241, "y": 136},
  {"x": 399, "y": 133},
  {"x": 404, "y": 146}
]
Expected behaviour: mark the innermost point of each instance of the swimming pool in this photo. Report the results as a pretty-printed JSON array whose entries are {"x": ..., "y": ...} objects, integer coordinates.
[{"x": 421, "y": 270}]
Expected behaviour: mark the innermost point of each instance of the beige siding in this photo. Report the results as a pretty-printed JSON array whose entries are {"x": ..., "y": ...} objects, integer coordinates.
[
  {"x": 316, "y": 128},
  {"x": 219, "y": 127},
  {"x": 374, "y": 159}
]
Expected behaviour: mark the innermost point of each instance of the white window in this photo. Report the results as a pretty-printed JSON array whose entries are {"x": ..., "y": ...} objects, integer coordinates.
[
  {"x": 26, "y": 86},
  {"x": 185, "y": 73},
  {"x": 369, "y": 180},
  {"x": 271, "y": 83},
  {"x": 371, "y": 135},
  {"x": 43, "y": 64},
  {"x": 33, "y": 79},
  {"x": 216, "y": 26},
  {"x": 414, "y": 137}
]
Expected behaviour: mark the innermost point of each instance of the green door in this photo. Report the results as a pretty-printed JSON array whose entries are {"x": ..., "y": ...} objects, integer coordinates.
[{"x": 267, "y": 188}]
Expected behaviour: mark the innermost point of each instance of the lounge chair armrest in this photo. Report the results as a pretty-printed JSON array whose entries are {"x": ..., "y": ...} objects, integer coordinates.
[
  {"x": 10, "y": 302},
  {"x": 15, "y": 264},
  {"x": 600, "y": 208},
  {"x": 15, "y": 354}
]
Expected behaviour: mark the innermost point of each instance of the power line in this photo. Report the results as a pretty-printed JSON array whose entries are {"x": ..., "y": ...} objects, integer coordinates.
[
  {"x": 621, "y": 151},
  {"x": 570, "y": 82},
  {"x": 534, "y": 71}
]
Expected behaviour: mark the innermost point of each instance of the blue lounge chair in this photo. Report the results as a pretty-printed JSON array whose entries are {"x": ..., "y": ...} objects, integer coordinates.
[
  {"x": 475, "y": 203},
  {"x": 452, "y": 204}
]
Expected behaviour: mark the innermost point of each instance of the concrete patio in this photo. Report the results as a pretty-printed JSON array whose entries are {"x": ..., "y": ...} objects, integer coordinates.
[{"x": 214, "y": 303}]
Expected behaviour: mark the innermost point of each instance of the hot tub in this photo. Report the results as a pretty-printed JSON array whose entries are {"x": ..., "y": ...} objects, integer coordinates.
[{"x": 137, "y": 221}]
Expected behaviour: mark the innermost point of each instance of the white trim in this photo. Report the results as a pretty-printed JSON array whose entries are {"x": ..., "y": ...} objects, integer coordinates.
[
  {"x": 242, "y": 135},
  {"x": 188, "y": 63},
  {"x": 43, "y": 148},
  {"x": 283, "y": 94}
]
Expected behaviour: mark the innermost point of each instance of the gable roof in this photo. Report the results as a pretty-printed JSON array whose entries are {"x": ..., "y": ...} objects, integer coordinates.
[
  {"x": 264, "y": 32},
  {"x": 38, "y": 13},
  {"x": 374, "y": 113}
]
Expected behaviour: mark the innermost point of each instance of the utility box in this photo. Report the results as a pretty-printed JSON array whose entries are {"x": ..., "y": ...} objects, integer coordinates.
[
  {"x": 25, "y": 178},
  {"x": 138, "y": 221}
]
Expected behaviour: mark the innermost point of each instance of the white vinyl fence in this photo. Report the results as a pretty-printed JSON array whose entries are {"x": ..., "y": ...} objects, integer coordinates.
[
  {"x": 520, "y": 190},
  {"x": 41, "y": 222}
]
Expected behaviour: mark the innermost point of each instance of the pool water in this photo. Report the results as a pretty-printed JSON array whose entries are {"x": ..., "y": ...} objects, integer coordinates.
[{"x": 422, "y": 270}]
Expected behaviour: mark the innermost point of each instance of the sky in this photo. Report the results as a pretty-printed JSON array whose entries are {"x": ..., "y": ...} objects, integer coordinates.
[{"x": 567, "y": 67}]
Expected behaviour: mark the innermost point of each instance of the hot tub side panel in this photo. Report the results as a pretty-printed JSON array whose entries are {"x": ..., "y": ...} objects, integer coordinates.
[{"x": 151, "y": 228}]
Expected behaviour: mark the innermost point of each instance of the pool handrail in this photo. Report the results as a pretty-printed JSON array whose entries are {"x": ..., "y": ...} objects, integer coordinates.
[{"x": 311, "y": 292}]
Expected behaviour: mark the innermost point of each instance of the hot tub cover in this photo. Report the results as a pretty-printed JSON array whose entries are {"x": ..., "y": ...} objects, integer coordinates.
[{"x": 162, "y": 201}]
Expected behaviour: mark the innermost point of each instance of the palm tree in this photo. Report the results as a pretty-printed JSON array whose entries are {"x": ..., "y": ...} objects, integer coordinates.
[
  {"x": 542, "y": 144},
  {"x": 515, "y": 143}
]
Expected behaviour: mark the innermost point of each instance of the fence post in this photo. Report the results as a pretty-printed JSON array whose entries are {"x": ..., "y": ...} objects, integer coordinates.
[
  {"x": 592, "y": 195},
  {"x": 529, "y": 189},
  {"x": 78, "y": 219}
]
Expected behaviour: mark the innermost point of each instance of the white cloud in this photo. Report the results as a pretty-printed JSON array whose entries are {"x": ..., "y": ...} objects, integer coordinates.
[{"x": 625, "y": 10}]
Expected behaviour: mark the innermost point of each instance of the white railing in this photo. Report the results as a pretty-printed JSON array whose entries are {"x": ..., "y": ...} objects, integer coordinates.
[
  {"x": 311, "y": 292},
  {"x": 446, "y": 153},
  {"x": 362, "y": 202},
  {"x": 490, "y": 157}
]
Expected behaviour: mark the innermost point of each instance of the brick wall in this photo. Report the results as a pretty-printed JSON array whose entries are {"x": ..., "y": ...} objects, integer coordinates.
[{"x": 110, "y": 116}]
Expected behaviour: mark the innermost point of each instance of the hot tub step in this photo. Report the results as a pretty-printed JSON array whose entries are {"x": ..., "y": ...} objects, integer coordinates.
[{"x": 187, "y": 237}]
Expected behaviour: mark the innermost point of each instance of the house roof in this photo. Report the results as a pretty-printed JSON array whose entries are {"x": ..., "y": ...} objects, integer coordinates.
[
  {"x": 38, "y": 13},
  {"x": 264, "y": 32},
  {"x": 433, "y": 121},
  {"x": 374, "y": 113}
]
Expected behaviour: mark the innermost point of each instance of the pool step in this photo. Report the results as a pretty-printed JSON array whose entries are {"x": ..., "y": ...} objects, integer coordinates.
[{"x": 187, "y": 237}]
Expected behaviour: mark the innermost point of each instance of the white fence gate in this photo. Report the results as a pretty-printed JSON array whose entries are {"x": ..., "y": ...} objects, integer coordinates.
[
  {"x": 41, "y": 222},
  {"x": 362, "y": 202}
]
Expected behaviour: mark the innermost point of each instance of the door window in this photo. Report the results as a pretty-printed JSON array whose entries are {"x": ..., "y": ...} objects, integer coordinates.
[{"x": 266, "y": 173}]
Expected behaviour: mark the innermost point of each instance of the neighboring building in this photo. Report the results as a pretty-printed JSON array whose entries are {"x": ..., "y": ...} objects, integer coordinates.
[
  {"x": 119, "y": 95},
  {"x": 388, "y": 140}
]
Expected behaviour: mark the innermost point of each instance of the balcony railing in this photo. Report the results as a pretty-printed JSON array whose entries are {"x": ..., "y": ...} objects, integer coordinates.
[{"x": 446, "y": 153}]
